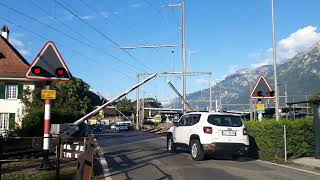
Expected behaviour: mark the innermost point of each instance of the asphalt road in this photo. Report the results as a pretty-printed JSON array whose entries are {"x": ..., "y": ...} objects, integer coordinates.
[{"x": 143, "y": 156}]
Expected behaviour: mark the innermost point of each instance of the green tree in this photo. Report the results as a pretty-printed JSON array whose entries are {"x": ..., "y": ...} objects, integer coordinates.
[
  {"x": 125, "y": 106},
  {"x": 72, "y": 102},
  {"x": 73, "y": 96},
  {"x": 100, "y": 115}
]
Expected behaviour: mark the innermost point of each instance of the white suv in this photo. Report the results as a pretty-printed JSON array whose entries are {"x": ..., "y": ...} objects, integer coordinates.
[{"x": 204, "y": 133}]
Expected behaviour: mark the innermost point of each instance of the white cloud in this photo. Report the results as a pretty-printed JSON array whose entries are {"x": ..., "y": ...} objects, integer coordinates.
[
  {"x": 15, "y": 42},
  {"x": 204, "y": 82},
  {"x": 136, "y": 5},
  {"x": 104, "y": 14},
  {"x": 231, "y": 70},
  {"x": 288, "y": 47},
  {"x": 19, "y": 45},
  {"x": 301, "y": 39},
  {"x": 87, "y": 17}
]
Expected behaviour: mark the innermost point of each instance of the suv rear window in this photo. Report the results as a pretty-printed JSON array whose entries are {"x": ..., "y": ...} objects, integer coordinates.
[{"x": 225, "y": 120}]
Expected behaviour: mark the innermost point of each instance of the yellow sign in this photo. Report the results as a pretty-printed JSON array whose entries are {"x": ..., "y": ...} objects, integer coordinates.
[
  {"x": 157, "y": 119},
  {"x": 48, "y": 94},
  {"x": 261, "y": 107}
]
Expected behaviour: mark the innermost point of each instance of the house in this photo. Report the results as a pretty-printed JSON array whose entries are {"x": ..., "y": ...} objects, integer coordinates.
[{"x": 12, "y": 83}]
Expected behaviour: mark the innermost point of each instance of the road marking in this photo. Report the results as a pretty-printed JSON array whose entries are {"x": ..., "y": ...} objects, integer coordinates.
[
  {"x": 163, "y": 137},
  {"x": 104, "y": 164},
  {"x": 297, "y": 169}
]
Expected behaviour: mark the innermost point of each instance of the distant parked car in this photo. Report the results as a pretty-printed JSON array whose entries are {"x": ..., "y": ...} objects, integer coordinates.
[
  {"x": 98, "y": 128},
  {"x": 127, "y": 123},
  {"x": 114, "y": 127},
  {"x": 149, "y": 121},
  {"x": 123, "y": 127}
]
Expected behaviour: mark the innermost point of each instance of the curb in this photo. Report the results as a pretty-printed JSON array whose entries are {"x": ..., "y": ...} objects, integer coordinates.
[
  {"x": 289, "y": 167},
  {"x": 104, "y": 164},
  {"x": 305, "y": 165}
]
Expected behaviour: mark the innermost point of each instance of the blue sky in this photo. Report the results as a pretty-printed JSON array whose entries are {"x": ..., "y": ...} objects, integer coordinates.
[{"x": 224, "y": 36}]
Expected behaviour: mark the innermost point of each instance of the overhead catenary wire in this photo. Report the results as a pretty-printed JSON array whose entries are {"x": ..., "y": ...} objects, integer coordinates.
[
  {"x": 68, "y": 36},
  {"x": 60, "y": 44},
  {"x": 95, "y": 10},
  {"x": 100, "y": 33},
  {"x": 61, "y": 22},
  {"x": 128, "y": 27}
]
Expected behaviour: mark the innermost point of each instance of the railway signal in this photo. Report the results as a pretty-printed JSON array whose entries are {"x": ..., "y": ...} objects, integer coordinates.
[
  {"x": 48, "y": 66},
  {"x": 262, "y": 90}
]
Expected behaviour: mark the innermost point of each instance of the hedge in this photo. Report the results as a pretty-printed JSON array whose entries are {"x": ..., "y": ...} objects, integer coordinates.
[{"x": 267, "y": 143}]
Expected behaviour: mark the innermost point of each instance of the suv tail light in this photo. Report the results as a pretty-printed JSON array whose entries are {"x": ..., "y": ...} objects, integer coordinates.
[
  {"x": 207, "y": 130},
  {"x": 245, "y": 131}
]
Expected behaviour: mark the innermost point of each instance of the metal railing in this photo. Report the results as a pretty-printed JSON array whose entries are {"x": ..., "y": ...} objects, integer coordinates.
[
  {"x": 62, "y": 150},
  {"x": 86, "y": 160}
]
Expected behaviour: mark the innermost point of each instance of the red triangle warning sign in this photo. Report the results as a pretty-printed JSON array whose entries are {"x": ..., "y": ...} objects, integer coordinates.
[
  {"x": 49, "y": 65},
  {"x": 262, "y": 90}
]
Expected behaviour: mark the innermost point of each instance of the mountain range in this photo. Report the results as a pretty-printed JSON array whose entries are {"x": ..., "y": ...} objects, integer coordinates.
[{"x": 299, "y": 76}]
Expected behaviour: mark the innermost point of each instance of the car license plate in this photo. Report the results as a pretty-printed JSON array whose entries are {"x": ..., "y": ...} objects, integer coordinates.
[{"x": 228, "y": 133}]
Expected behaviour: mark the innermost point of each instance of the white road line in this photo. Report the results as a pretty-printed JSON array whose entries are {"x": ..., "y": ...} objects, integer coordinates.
[
  {"x": 284, "y": 166},
  {"x": 104, "y": 164},
  {"x": 163, "y": 137}
]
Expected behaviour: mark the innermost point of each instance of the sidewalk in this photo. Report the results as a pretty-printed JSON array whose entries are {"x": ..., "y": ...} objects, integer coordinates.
[{"x": 308, "y": 161}]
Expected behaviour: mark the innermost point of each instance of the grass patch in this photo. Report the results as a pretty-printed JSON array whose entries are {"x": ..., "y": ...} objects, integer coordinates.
[{"x": 28, "y": 170}]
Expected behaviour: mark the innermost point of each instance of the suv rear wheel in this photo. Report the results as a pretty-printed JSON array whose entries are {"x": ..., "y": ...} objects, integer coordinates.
[
  {"x": 196, "y": 150},
  {"x": 170, "y": 145}
]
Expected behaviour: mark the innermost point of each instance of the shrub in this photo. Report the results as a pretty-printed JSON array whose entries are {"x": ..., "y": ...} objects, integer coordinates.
[
  {"x": 32, "y": 123},
  {"x": 267, "y": 143}
]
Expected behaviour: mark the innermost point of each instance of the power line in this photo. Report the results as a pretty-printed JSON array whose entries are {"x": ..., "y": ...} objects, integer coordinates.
[
  {"x": 116, "y": 15},
  {"x": 60, "y": 44},
  {"x": 99, "y": 32},
  {"x": 94, "y": 10},
  {"x": 128, "y": 27},
  {"x": 38, "y": 21},
  {"x": 64, "y": 24},
  {"x": 67, "y": 35}
]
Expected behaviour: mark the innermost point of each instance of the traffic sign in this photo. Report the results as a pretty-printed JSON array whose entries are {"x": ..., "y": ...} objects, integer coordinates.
[
  {"x": 49, "y": 65},
  {"x": 262, "y": 90},
  {"x": 48, "y": 94},
  {"x": 260, "y": 107}
]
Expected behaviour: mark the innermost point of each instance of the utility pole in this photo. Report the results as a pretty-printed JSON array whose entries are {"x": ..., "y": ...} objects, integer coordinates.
[
  {"x": 275, "y": 65},
  {"x": 183, "y": 57},
  {"x": 138, "y": 107},
  {"x": 220, "y": 100},
  {"x": 183, "y": 51},
  {"x": 216, "y": 101},
  {"x": 286, "y": 93},
  {"x": 210, "y": 92},
  {"x": 142, "y": 109},
  {"x": 251, "y": 104}
]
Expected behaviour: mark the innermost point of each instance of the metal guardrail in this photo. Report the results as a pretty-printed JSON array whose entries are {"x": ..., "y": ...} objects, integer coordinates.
[{"x": 86, "y": 161}]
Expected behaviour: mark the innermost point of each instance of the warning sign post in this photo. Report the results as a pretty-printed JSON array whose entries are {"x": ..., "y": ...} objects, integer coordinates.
[{"x": 48, "y": 66}]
